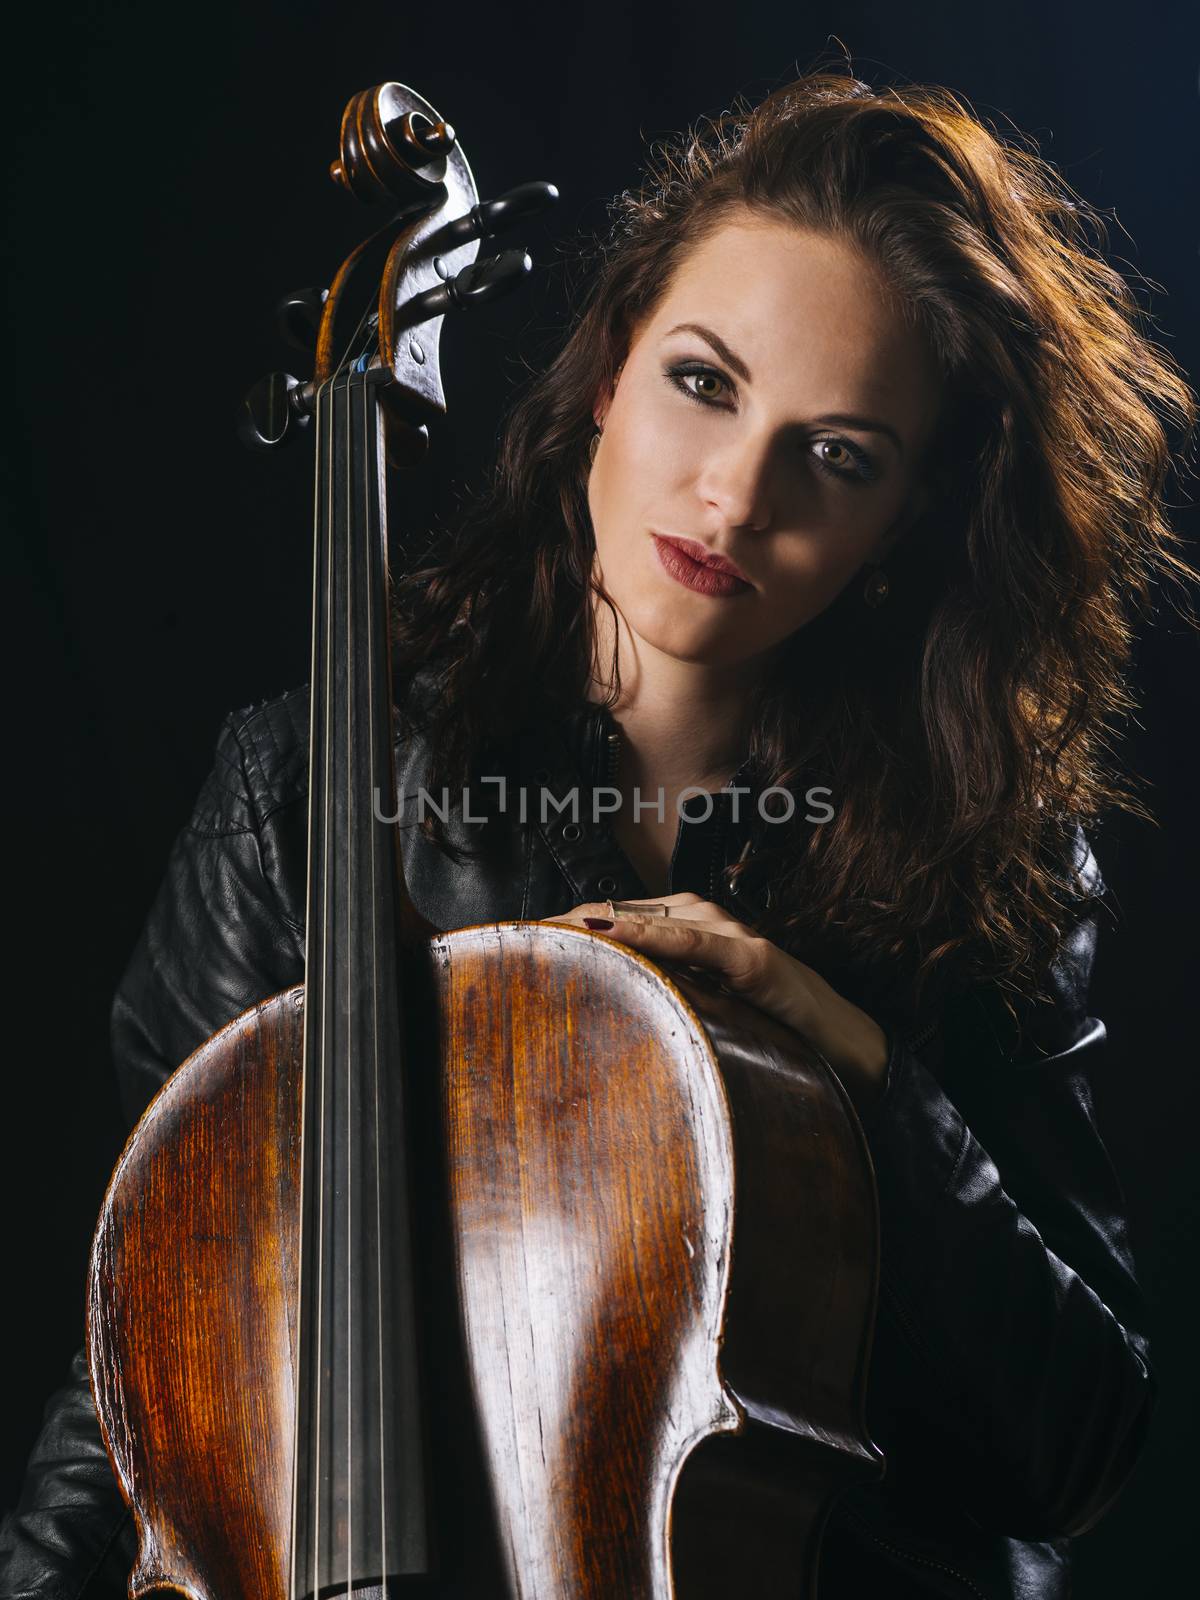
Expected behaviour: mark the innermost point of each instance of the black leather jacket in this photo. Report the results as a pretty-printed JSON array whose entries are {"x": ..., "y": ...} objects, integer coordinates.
[{"x": 1010, "y": 1387}]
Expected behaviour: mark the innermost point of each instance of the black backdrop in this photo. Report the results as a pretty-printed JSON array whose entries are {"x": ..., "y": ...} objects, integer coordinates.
[{"x": 165, "y": 182}]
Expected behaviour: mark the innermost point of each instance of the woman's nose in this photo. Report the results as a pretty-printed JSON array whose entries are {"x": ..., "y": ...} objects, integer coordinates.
[{"x": 736, "y": 481}]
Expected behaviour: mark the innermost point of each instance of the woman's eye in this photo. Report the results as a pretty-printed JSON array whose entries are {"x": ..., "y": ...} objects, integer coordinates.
[
  {"x": 843, "y": 460},
  {"x": 833, "y": 453},
  {"x": 710, "y": 385},
  {"x": 714, "y": 384}
]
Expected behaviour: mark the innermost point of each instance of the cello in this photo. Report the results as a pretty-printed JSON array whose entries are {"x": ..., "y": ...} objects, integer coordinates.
[{"x": 485, "y": 1262}]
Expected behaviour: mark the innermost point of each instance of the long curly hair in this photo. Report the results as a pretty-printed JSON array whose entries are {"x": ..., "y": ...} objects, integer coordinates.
[{"x": 966, "y": 728}]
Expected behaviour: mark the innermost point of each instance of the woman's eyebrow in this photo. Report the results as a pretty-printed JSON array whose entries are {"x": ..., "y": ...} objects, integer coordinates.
[
  {"x": 867, "y": 424},
  {"x": 718, "y": 344},
  {"x": 844, "y": 419}
]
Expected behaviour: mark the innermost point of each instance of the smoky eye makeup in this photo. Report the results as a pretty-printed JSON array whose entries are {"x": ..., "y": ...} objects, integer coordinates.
[
  {"x": 857, "y": 469},
  {"x": 676, "y": 372}
]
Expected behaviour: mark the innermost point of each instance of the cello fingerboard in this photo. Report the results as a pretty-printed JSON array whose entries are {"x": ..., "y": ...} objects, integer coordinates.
[{"x": 359, "y": 1502}]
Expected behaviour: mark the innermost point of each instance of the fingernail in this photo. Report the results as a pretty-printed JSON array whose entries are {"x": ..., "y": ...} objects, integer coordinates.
[{"x": 598, "y": 922}]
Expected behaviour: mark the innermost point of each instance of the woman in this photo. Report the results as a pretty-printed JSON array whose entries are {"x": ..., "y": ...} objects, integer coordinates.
[{"x": 831, "y": 506}]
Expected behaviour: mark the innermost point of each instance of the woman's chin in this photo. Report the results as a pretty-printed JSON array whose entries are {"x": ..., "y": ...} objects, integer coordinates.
[{"x": 677, "y": 631}]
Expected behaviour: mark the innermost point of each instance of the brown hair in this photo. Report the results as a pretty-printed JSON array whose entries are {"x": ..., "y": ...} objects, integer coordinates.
[{"x": 964, "y": 727}]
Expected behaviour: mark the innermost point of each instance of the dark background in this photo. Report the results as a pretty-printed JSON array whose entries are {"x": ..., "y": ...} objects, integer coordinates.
[{"x": 166, "y": 181}]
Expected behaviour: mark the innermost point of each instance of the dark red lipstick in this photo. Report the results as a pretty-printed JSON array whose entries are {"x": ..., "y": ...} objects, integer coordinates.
[{"x": 699, "y": 568}]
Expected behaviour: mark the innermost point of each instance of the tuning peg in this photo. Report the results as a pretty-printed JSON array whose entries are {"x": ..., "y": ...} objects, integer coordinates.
[
  {"x": 415, "y": 129},
  {"x": 299, "y": 317},
  {"x": 474, "y": 285},
  {"x": 274, "y": 412},
  {"x": 493, "y": 216}
]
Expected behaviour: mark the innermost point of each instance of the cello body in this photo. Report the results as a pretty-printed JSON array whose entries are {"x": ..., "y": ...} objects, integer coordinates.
[{"x": 663, "y": 1262}]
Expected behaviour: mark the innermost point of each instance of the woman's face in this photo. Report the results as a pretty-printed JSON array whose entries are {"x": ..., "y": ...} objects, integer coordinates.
[{"x": 774, "y": 410}]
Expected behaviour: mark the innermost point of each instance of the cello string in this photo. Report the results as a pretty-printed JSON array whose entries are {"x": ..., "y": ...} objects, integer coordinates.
[
  {"x": 348, "y": 1065},
  {"x": 356, "y": 728},
  {"x": 340, "y": 444},
  {"x": 326, "y": 691},
  {"x": 367, "y": 554},
  {"x": 366, "y": 665},
  {"x": 308, "y": 965},
  {"x": 376, "y": 550},
  {"x": 345, "y": 362}
]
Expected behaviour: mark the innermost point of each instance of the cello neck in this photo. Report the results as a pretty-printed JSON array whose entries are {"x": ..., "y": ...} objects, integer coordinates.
[
  {"x": 359, "y": 1502},
  {"x": 353, "y": 852}
]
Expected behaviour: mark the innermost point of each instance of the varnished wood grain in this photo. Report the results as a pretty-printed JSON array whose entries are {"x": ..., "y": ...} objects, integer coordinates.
[
  {"x": 590, "y": 1168},
  {"x": 615, "y": 1155},
  {"x": 191, "y": 1311},
  {"x": 663, "y": 1249}
]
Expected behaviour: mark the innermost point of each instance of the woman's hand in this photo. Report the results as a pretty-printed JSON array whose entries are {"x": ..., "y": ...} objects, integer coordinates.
[{"x": 700, "y": 934}]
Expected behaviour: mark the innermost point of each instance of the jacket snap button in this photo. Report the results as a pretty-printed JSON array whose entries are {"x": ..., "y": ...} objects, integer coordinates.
[
  {"x": 606, "y": 885},
  {"x": 573, "y": 831}
]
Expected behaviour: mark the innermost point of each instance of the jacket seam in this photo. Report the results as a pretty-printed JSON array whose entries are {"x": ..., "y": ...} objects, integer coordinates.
[
  {"x": 910, "y": 1555},
  {"x": 959, "y": 1160},
  {"x": 908, "y": 1326},
  {"x": 231, "y": 830},
  {"x": 275, "y": 748},
  {"x": 281, "y": 805},
  {"x": 256, "y": 830},
  {"x": 248, "y": 745},
  {"x": 241, "y": 730},
  {"x": 252, "y": 713}
]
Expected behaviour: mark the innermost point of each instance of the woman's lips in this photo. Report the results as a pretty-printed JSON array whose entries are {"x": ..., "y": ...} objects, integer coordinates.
[{"x": 694, "y": 574}]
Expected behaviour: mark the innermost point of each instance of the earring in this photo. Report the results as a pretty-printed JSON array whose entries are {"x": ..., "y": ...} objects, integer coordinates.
[
  {"x": 595, "y": 444},
  {"x": 875, "y": 590}
]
